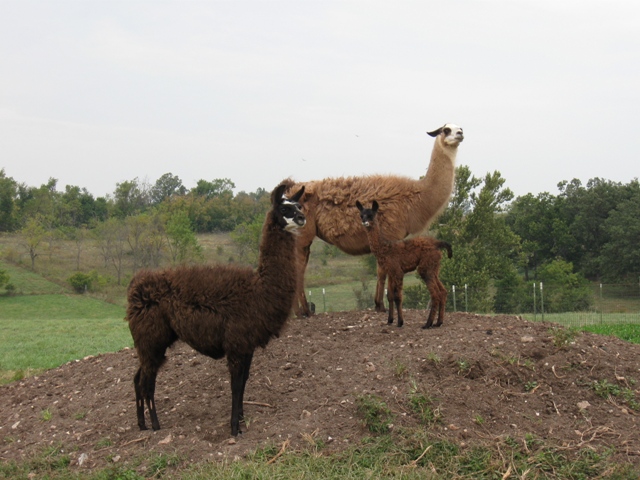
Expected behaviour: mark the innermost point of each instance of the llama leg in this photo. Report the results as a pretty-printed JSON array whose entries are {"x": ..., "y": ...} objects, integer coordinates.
[
  {"x": 398, "y": 299},
  {"x": 442, "y": 301},
  {"x": 302, "y": 306},
  {"x": 145, "y": 389},
  {"x": 390, "y": 299},
  {"x": 236, "y": 364},
  {"x": 433, "y": 293},
  {"x": 379, "y": 298},
  {"x": 246, "y": 367},
  {"x": 139, "y": 401}
]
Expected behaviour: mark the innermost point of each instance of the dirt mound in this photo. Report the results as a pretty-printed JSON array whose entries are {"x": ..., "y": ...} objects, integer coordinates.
[{"x": 487, "y": 377}]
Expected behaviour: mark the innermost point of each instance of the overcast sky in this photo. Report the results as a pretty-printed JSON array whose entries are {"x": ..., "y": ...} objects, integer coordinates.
[{"x": 98, "y": 92}]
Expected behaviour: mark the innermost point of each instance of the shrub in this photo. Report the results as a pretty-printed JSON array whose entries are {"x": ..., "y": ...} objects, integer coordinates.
[{"x": 82, "y": 282}]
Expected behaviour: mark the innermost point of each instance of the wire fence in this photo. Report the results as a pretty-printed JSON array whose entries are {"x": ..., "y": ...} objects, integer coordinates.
[{"x": 572, "y": 305}]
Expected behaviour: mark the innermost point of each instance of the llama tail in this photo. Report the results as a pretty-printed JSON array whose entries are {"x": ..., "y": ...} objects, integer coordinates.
[{"x": 442, "y": 244}]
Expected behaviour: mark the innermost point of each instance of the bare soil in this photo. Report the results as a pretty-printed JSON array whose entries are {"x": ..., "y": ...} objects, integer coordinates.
[{"x": 488, "y": 376}]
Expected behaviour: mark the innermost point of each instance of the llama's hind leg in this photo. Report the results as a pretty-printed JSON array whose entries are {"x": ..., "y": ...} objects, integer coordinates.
[
  {"x": 145, "y": 387},
  {"x": 139, "y": 401},
  {"x": 442, "y": 300},
  {"x": 433, "y": 293}
]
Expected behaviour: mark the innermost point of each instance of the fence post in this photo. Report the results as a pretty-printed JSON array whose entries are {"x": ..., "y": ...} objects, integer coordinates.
[
  {"x": 324, "y": 301},
  {"x": 454, "y": 298},
  {"x": 466, "y": 296},
  {"x": 601, "y": 306},
  {"x": 541, "y": 302},
  {"x": 535, "y": 317}
]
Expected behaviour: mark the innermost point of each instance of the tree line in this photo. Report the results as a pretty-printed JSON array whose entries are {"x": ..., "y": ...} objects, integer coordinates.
[{"x": 582, "y": 233}]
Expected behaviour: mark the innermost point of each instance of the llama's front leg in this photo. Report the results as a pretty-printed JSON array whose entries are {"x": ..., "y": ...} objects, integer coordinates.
[
  {"x": 379, "y": 298},
  {"x": 390, "y": 299},
  {"x": 236, "y": 370},
  {"x": 302, "y": 306},
  {"x": 398, "y": 300},
  {"x": 246, "y": 367}
]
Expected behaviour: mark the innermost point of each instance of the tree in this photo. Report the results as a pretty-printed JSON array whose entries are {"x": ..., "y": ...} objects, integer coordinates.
[
  {"x": 112, "y": 241},
  {"x": 542, "y": 229},
  {"x": 246, "y": 236},
  {"x": 181, "y": 238},
  {"x": 8, "y": 207},
  {"x": 484, "y": 247},
  {"x": 4, "y": 278},
  {"x": 586, "y": 210},
  {"x": 33, "y": 233},
  {"x": 165, "y": 187},
  {"x": 564, "y": 290},
  {"x": 620, "y": 256},
  {"x": 216, "y": 188},
  {"x": 130, "y": 198}
]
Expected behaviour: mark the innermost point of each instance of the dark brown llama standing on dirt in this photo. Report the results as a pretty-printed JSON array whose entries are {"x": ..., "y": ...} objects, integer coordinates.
[
  {"x": 217, "y": 310},
  {"x": 410, "y": 206},
  {"x": 397, "y": 258}
]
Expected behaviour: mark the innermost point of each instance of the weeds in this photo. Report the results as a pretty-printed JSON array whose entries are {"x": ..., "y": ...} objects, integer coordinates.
[
  {"x": 606, "y": 390},
  {"x": 376, "y": 414},
  {"x": 563, "y": 337},
  {"x": 433, "y": 357},
  {"x": 422, "y": 405},
  {"x": 46, "y": 415},
  {"x": 400, "y": 370},
  {"x": 464, "y": 367}
]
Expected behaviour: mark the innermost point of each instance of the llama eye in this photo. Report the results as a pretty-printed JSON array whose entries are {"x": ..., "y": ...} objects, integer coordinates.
[{"x": 447, "y": 131}]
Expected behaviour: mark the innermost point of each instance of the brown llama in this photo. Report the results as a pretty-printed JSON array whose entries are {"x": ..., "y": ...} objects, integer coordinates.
[
  {"x": 217, "y": 310},
  {"x": 410, "y": 206},
  {"x": 397, "y": 258}
]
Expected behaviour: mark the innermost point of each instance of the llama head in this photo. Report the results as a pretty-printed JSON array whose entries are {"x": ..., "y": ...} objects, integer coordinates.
[
  {"x": 451, "y": 134},
  {"x": 367, "y": 215},
  {"x": 287, "y": 212}
]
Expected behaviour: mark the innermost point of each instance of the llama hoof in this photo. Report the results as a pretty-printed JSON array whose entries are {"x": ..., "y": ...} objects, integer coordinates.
[{"x": 424, "y": 327}]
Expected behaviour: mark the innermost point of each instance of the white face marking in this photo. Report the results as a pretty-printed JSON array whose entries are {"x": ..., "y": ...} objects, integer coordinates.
[
  {"x": 292, "y": 226},
  {"x": 455, "y": 137}
]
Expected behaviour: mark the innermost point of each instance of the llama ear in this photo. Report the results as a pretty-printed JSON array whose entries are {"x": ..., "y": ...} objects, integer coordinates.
[
  {"x": 359, "y": 205},
  {"x": 298, "y": 195},
  {"x": 374, "y": 206},
  {"x": 276, "y": 196},
  {"x": 435, "y": 133}
]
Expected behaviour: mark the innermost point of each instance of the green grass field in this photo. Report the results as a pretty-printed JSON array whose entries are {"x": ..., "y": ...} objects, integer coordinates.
[{"x": 45, "y": 331}]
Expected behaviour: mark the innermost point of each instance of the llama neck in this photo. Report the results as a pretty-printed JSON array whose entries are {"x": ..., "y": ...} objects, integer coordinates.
[
  {"x": 375, "y": 239},
  {"x": 277, "y": 266},
  {"x": 437, "y": 184}
]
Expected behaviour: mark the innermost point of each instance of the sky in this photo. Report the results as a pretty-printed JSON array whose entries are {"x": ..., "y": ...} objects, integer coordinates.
[{"x": 94, "y": 93}]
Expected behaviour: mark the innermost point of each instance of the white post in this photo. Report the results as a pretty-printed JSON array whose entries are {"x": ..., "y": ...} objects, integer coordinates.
[
  {"x": 324, "y": 300},
  {"x": 466, "y": 296},
  {"x": 541, "y": 301},
  {"x": 454, "y": 298}
]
